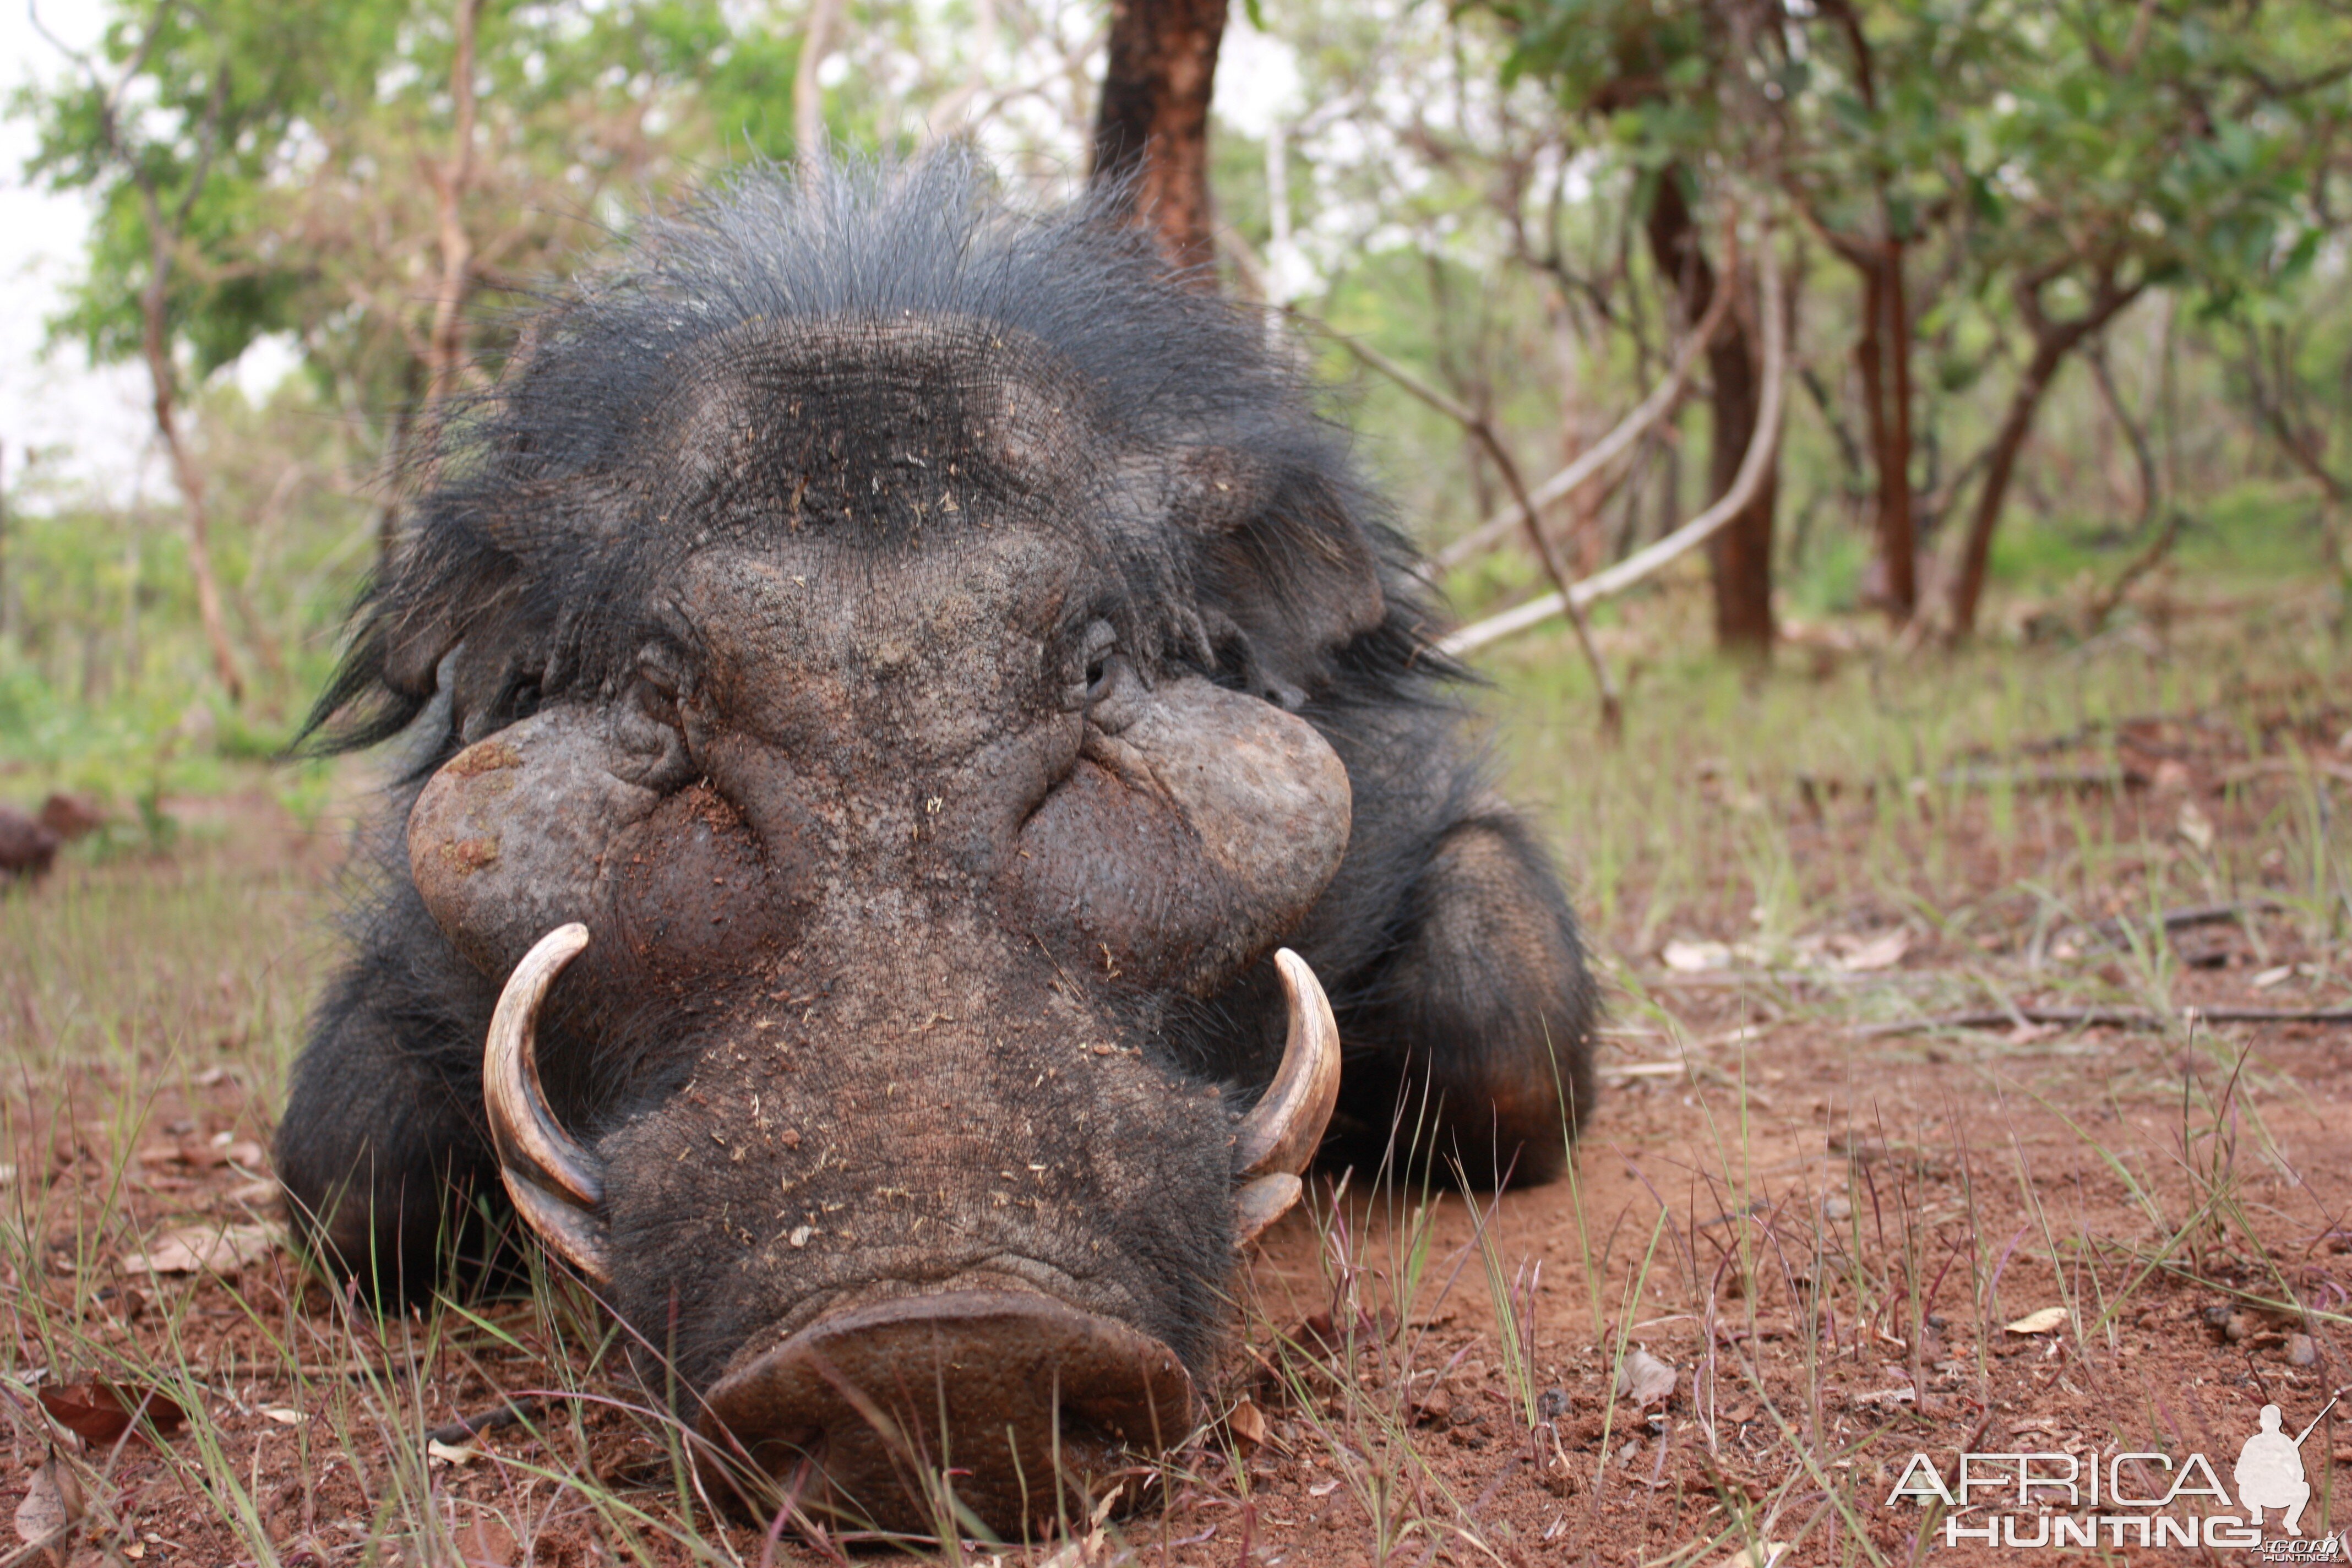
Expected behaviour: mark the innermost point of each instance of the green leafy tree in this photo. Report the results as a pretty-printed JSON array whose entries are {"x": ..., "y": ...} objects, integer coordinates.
[
  {"x": 2139, "y": 148},
  {"x": 2058, "y": 161}
]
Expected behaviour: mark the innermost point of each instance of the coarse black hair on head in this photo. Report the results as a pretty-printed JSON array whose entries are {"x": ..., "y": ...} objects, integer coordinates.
[{"x": 530, "y": 539}]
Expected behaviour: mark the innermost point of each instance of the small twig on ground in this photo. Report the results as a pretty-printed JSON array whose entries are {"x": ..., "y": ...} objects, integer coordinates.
[
  {"x": 513, "y": 1413},
  {"x": 2103, "y": 1018}
]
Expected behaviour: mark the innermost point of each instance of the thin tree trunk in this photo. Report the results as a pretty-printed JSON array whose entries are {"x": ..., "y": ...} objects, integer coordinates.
[
  {"x": 445, "y": 353},
  {"x": 1741, "y": 553},
  {"x": 1882, "y": 353},
  {"x": 808, "y": 93},
  {"x": 1885, "y": 355},
  {"x": 2016, "y": 424},
  {"x": 1897, "y": 532},
  {"x": 1152, "y": 132},
  {"x": 2053, "y": 341},
  {"x": 155, "y": 348},
  {"x": 186, "y": 472}
]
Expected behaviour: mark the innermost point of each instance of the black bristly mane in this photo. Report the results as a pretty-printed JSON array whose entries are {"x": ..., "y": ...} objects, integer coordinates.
[{"x": 525, "y": 542}]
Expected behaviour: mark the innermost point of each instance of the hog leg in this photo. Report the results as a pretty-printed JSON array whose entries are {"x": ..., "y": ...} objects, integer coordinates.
[
  {"x": 1473, "y": 1031},
  {"x": 1452, "y": 962},
  {"x": 382, "y": 1150}
]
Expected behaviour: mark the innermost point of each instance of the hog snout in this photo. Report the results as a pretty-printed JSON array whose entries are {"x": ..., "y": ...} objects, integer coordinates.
[
  {"x": 1021, "y": 1404},
  {"x": 1017, "y": 1353}
]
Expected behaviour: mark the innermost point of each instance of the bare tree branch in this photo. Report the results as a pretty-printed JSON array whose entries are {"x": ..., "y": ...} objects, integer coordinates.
[
  {"x": 1630, "y": 429},
  {"x": 1612, "y": 712},
  {"x": 2095, "y": 351},
  {"x": 1644, "y": 563}
]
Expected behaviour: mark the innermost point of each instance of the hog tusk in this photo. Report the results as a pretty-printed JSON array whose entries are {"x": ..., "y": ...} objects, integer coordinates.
[
  {"x": 555, "y": 1184},
  {"x": 1280, "y": 1136},
  {"x": 1260, "y": 1201}
]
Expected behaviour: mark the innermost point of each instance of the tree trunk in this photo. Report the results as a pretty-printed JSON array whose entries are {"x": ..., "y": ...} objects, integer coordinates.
[
  {"x": 1151, "y": 133},
  {"x": 1741, "y": 554},
  {"x": 1882, "y": 353},
  {"x": 1897, "y": 534},
  {"x": 2016, "y": 424}
]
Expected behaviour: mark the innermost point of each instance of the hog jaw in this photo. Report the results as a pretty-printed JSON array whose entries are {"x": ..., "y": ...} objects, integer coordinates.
[{"x": 1005, "y": 1388}]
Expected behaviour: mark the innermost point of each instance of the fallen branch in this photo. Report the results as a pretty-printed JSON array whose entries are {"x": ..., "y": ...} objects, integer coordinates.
[
  {"x": 2103, "y": 1018},
  {"x": 1573, "y": 598},
  {"x": 1601, "y": 453},
  {"x": 513, "y": 1413},
  {"x": 2281, "y": 767},
  {"x": 2117, "y": 929}
]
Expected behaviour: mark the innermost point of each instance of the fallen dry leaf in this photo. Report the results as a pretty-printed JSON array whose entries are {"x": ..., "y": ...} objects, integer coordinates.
[
  {"x": 52, "y": 1505},
  {"x": 1696, "y": 957},
  {"x": 284, "y": 1417},
  {"x": 98, "y": 1412},
  {"x": 1644, "y": 1379},
  {"x": 2048, "y": 1320},
  {"x": 1882, "y": 951},
  {"x": 2195, "y": 826},
  {"x": 1246, "y": 1422},
  {"x": 205, "y": 1249}
]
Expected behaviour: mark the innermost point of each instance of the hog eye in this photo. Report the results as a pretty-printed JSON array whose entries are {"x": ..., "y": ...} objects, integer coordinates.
[
  {"x": 1112, "y": 691},
  {"x": 1101, "y": 657},
  {"x": 663, "y": 681}
]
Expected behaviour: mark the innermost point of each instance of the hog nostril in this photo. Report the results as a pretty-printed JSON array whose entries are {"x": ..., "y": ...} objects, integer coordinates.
[{"x": 1022, "y": 1403}]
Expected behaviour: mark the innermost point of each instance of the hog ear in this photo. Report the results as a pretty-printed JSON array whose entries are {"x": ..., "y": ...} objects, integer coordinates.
[
  {"x": 436, "y": 604},
  {"x": 1284, "y": 563}
]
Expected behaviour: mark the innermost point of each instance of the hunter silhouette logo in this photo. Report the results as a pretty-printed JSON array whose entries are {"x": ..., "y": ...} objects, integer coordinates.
[
  {"x": 2137, "y": 1498},
  {"x": 2270, "y": 1469}
]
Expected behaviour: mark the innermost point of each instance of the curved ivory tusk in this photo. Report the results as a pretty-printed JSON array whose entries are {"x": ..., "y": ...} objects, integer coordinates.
[
  {"x": 555, "y": 1183},
  {"x": 1281, "y": 1134},
  {"x": 1260, "y": 1201}
]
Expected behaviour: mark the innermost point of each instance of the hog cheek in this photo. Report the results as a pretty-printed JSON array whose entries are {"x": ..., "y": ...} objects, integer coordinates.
[
  {"x": 1181, "y": 849},
  {"x": 509, "y": 838},
  {"x": 694, "y": 897},
  {"x": 1267, "y": 796},
  {"x": 1109, "y": 875}
]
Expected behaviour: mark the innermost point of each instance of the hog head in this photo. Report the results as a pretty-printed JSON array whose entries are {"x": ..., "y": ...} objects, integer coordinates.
[{"x": 853, "y": 880}]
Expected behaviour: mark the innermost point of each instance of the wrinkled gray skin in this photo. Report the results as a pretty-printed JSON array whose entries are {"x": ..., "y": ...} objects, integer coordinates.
[{"x": 930, "y": 871}]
